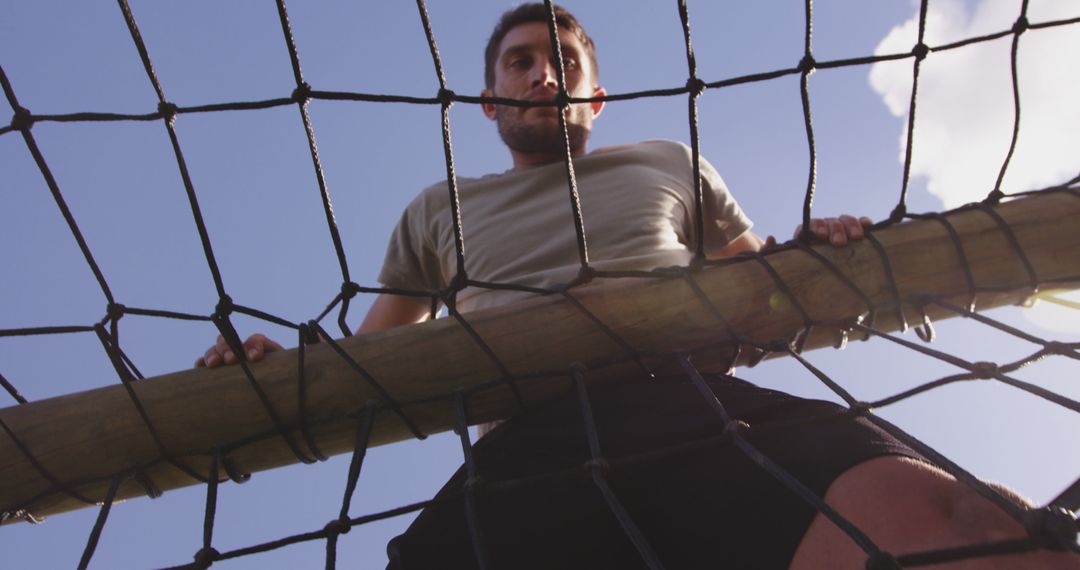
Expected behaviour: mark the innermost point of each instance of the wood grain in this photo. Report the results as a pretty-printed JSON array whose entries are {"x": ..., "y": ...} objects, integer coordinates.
[{"x": 83, "y": 439}]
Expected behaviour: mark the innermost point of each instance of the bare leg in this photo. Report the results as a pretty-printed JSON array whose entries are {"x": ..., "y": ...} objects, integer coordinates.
[{"x": 907, "y": 506}]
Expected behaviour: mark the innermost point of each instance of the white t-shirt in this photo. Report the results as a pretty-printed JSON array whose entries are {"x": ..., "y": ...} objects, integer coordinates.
[{"x": 637, "y": 202}]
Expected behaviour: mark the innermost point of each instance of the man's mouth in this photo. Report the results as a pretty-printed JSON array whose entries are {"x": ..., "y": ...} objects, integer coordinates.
[{"x": 542, "y": 96}]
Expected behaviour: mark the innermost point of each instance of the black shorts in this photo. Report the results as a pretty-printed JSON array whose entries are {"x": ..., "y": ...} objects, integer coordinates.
[{"x": 697, "y": 499}]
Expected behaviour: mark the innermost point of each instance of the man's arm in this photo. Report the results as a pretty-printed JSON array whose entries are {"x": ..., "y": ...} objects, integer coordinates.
[
  {"x": 748, "y": 241},
  {"x": 389, "y": 311},
  {"x": 838, "y": 231}
]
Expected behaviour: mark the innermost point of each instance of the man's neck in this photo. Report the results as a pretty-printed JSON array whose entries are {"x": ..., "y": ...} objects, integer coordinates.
[{"x": 525, "y": 161}]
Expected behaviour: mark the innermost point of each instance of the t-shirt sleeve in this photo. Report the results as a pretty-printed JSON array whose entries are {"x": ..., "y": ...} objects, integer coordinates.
[
  {"x": 724, "y": 220},
  {"x": 411, "y": 261}
]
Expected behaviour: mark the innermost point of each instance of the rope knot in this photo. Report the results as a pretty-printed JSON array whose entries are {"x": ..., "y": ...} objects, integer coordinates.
[
  {"x": 309, "y": 332},
  {"x": 696, "y": 86},
  {"x": 114, "y": 311},
  {"x": 224, "y": 307},
  {"x": 234, "y": 474},
  {"x": 562, "y": 98},
  {"x": 898, "y": 213},
  {"x": 302, "y": 93},
  {"x": 338, "y": 526},
  {"x": 22, "y": 120},
  {"x": 807, "y": 64},
  {"x": 883, "y": 561},
  {"x": 448, "y": 295},
  {"x": 806, "y": 236},
  {"x": 585, "y": 275},
  {"x": 168, "y": 111},
  {"x": 446, "y": 97},
  {"x": 459, "y": 282},
  {"x": 349, "y": 290},
  {"x": 861, "y": 408},
  {"x": 205, "y": 557},
  {"x": 1058, "y": 347},
  {"x": 984, "y": 370},
  {"x": 1052, "y": 527},
  {"x": 994, "y": 197},
  {"x": 920, "y": 51},
  {"x": 1021, "y": 25}
]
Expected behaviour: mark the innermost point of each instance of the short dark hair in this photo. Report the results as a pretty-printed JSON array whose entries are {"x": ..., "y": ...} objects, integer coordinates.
[{"x": 534, "y": 12}]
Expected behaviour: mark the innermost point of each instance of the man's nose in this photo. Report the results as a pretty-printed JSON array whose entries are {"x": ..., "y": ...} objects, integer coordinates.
[{"x": 545, "y": 74}]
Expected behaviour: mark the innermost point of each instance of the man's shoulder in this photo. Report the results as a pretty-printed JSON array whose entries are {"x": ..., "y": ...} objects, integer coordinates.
[
  {"x": 660, "y": 147},
  {"x": 674, "y": 158},
  {"x": 438, "y": 192}
]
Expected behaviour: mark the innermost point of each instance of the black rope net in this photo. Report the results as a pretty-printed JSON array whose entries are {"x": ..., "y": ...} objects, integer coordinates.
[{"x": 1054, "y": 525}]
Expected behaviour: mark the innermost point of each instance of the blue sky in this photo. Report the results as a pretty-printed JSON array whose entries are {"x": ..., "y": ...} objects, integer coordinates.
[{"x": 258, "y": 192}]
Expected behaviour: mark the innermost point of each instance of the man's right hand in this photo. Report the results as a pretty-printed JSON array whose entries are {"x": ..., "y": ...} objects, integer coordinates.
[{"x": 254, "y": 348}]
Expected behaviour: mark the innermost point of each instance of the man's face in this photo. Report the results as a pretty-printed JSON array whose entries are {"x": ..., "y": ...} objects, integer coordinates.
[{"x": 525, "y": 69}]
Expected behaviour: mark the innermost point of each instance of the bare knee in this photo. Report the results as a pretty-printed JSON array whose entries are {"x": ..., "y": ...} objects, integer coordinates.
[
  {"x": 906, "y": 506},
  {"x": 973, "y": 518},
  {"x": 911, "y": 505}
]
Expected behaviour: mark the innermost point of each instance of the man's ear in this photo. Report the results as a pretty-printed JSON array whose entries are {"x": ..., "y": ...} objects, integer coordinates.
[
  {"x": 598, "y": 106},
  {"x": 489, "y": 108}
]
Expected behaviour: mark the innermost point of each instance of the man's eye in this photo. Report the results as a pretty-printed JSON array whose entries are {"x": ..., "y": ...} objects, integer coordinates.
[
  {"x": 519, "y": 63},
  {"x": 569, "y": 63}
]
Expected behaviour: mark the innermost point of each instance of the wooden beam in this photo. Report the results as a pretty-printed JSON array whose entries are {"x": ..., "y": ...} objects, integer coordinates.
[{"x": 86, "y": 438}]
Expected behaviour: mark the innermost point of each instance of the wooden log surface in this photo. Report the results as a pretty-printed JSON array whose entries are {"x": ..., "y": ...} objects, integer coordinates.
[{"x": 84, "y": 439}]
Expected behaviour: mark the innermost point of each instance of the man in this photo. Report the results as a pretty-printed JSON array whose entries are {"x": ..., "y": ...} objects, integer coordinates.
[{"x": 705, "y": 508}]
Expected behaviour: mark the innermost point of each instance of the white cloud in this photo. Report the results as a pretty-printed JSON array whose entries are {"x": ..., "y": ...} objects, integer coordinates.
[{"x": 964, "y": 114}]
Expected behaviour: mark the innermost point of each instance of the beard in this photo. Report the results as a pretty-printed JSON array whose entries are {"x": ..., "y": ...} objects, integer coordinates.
[{"x": 542, "y": 135}]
